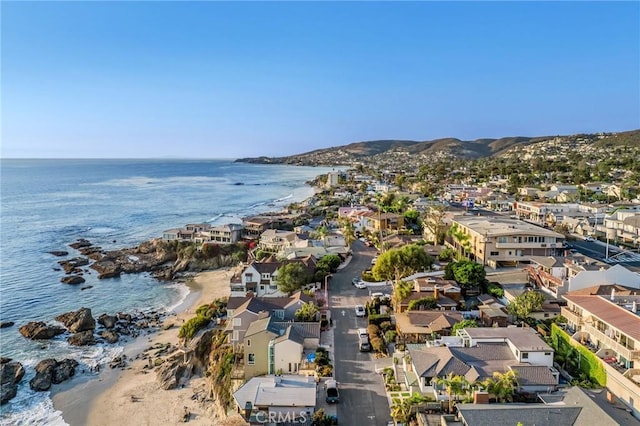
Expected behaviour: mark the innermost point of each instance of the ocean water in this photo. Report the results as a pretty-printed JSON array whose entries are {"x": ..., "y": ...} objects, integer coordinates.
[{"x": 47, "y": 204}]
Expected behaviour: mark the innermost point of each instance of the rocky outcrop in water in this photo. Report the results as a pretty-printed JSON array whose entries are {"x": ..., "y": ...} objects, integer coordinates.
[
  {"x": 39, "y": 330},
  {"x": 110, "y": 336},
  {"x": 49, "y": 371},
  {"x": 5, "y": 324},
  {"x": 80, "y": 320},
  {"x": 73, "y": 266},
  {"x": 108, "y": 321},
  {"x": 83, "y": 338},
  {"x": 11, "y": 373},
  {"x": 72, "y": 280},
  {"x": 59, "y": 253}
]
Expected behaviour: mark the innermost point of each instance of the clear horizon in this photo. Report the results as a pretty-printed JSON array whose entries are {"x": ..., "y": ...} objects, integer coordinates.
[{"x": 222, "y": 80}]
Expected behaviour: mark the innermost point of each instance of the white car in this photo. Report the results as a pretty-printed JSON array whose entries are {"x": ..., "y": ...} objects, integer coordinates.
[
  {"x": 589, "y": 238},
  {"x": 360, "y": 312},
  {"x": 360, "y": 285}
]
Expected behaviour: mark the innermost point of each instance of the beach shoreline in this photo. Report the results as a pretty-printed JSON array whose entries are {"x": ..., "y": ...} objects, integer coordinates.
[{"x": 117, "y": 396}]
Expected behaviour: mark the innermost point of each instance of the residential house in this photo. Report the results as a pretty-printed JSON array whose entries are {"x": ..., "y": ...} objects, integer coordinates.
[
  {"x": 259, "y": 278},
  {"x": 376, "y": 221},
  {"x": 538, "y": 212},
  {"x": 243, "y": 310},
  {"x": 187, "y": 233},
  {"x": 272, "y": 347},
  {"x": 421, "y": 326},
  {"x": 274, "y": 240},
  {"x": 609, "y": 325},
  {"x": 571, "y": 406},
  {"x": 489, "y": 350},
  {"x": 493, "y": 316},
  {"x": 254, "y": 226},
  {"x": 445, "y": 293},
  {"x": 524, "y": 343},
  {"x": 623, "y": 225},
  {"x": 500, "y": 241},
  {"x": 244, "y": 315},
  {"x": 222, "y": 234},
  {"x": 286, "y": 399}
]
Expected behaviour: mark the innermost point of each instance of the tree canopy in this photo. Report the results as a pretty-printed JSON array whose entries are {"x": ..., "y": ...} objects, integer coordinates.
[
  {"x": 292, "y": 277},
  {"x": 527, "y": 302},
  {"x": 307, "y": 312},
  {"x": 470, "y": 323},
  {"x": 396, "y": 264},
  {"x": 466, "y": 273}
]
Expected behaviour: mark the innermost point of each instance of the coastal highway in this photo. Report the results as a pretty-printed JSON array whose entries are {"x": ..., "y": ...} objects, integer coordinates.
[{"x": 363, "y": 399}]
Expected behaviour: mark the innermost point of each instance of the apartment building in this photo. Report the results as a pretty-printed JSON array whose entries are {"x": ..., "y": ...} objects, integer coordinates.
[
  {"x": 609, "y": 326},
  {"x": 498, "y": 241}
]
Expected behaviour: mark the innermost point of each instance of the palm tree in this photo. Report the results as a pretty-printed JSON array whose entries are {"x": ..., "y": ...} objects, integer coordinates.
[
  {"x": 455, "y": 386},
  {"x": 401, "y": 410},
  {"x": 502, "y": 386}
]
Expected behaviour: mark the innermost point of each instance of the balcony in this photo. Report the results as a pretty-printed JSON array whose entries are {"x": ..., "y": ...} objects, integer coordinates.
[
  {"x": 520, "y": 246},
  {"x": 573, "y": 317},
  {"x": 610, "y": 343}
]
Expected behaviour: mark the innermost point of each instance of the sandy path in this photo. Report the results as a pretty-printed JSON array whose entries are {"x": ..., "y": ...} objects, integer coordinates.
[{"x": 137, "y": 399}]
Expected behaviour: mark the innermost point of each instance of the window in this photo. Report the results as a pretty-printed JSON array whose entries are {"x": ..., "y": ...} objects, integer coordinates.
[
  {"x": 251, "y": 359},
  {"x": 494, "y": 253},
  {"x": 525, "y": 355},
  {"x": 248, "y": 342},
  {"x": 502, "y": 239},
  {"x": 547, "y": 353},
  {"x": 237, "y": 322},
  {"x": 235, "y": 336}
]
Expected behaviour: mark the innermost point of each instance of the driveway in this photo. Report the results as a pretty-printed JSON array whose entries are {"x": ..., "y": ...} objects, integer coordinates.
[{"x": 363, "y": 399}]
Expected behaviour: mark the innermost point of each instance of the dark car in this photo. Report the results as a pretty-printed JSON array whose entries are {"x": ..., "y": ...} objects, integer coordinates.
[{"x": 333, "y": 396}]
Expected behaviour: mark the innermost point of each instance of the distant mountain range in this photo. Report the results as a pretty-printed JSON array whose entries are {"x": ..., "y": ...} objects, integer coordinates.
[{"x": 479, "y": 148}]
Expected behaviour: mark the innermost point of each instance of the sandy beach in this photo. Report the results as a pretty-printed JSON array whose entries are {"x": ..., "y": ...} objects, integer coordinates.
[{"x": 133, "y": 396}]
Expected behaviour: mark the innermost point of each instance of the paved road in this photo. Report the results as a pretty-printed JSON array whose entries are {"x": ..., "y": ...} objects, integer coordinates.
[{"x": 363, "y": 400}]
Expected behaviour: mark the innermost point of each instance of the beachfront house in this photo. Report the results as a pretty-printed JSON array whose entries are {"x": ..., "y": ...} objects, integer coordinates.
[
  {"x": 222, "y": 234},
  {"x": 286, "y": 399},
  {"x": 272, "y": 347}
]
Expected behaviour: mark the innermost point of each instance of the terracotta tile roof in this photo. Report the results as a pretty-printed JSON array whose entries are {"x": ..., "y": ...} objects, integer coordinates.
[{"x": 616, "y": 316}]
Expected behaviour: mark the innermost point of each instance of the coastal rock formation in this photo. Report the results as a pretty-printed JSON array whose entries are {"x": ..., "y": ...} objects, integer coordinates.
[
  {"x": 40, "y": 330},
  {"x": 5, "y": 324},
  {"x": 83, "y": 338},
  {"x": 72, "y": 279},
  {"x": 108, "y": 321},
  {"x": 11, "y": 373},
  {"x": 50, "y": 371},
  {"x": 73, "y": 265},
  {"x": 107, "y": 268},
  {"x": 80, "y": 243},
  {"x": 80, "y": 320},
  {"x": 59, "y": 253},
  {"x": 172, "y": 371},
  {"x": 110, "y": 336},
  {"x": 181, "y": 365}
]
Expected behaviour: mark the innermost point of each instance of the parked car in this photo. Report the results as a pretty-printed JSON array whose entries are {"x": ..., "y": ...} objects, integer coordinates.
[
  {"x": 333, "y": 395},
  {"x": 360, "y": 312},
  {"x": 380, "y": 295},
  {"x": 589, "y": 238},
  {"x": 360, "y": 285},
  {"x": 362, "y": 332},
  {"x": 363, "y": 343}
]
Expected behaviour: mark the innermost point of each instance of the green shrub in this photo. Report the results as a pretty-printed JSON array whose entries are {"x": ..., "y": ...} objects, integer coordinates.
[
  {"x": 427, "y": 302},
  {"x": 390, "y": 336},
  {"x": 495, "y": 290},
  {"x": 378, "y": 319},
  {"x": 367, "y": 276},
  {"x": 191, "y": 327},
  {"x": 386, "y": 326}
]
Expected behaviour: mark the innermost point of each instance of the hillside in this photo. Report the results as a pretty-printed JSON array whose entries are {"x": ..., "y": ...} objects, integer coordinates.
[{"x": 381, "y": 150}]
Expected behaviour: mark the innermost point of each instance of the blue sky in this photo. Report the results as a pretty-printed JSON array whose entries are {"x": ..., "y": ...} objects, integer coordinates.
[{"x": 226, "y": 80}]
